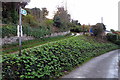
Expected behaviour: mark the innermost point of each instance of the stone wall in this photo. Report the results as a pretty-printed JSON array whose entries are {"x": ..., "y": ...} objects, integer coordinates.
[
  {"x": 14, "y": 39},
  {"x": 57, "y": 34}
]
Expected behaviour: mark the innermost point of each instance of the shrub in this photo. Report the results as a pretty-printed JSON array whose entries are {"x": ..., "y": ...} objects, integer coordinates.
[
  {"x": 76, "y": 29},
  {"x": 9, "y": 30},
  {"x": 37, "y": 32},
  {"x": 31, "y": 20},
  {"x": 98, "y": 29},
  {"x": 117, "y": 42},
  {"x": 111, "y": 37},
  {"x": 53, "y": 59}
]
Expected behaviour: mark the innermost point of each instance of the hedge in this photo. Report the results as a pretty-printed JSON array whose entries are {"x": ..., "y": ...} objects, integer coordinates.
[
  {"x": 114, "y": 38},
  {"x": 37, "y": 32},
  {"x": 76, "y": 29},
  {"x": 52, "y": 60},
  {"x": 8, "y": 30}
]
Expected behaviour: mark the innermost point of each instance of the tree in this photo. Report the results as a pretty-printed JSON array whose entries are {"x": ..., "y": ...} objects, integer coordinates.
[
  {"x": 10, "y": 11},
  {"x": 76, "y": 22},
  {"x": 44, "y": 12},
  {"x": 30, "y": 20},
  {"x": 98, "y": 29},
  {"x": 40, "y": 15},
  {"x": 112, "y": 30},
  {"x": 61, "y": 18},
  {"x": 57, "y": 21}
]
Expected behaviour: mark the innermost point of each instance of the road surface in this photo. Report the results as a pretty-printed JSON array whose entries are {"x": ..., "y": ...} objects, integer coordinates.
[{"x": 103, "y": 66}]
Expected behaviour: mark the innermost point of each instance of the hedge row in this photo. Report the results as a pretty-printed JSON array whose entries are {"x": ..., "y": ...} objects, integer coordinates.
[
  {"x": 11, "y": 30},
  {"x": 114, "y": 38},
  {"x": 52, "y": 60}
]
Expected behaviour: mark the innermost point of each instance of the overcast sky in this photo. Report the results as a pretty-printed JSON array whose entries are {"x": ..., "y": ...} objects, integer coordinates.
[{"x": 85, "y": 11}]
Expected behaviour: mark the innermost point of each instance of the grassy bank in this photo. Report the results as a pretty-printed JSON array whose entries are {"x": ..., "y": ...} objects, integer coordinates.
[
  {"x": 11, "y": 48},
  {"x": 52, "y": 60}
]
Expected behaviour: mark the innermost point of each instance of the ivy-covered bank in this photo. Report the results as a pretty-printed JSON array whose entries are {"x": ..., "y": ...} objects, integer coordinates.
[{"x": 52, "y": 60}]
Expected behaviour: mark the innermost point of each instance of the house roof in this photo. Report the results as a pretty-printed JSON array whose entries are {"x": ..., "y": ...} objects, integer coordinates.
[{"x": 15, "y": 0}]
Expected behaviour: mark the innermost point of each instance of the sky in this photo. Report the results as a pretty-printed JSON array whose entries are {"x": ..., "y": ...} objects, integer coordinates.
[{"x": 85, "y": 11}]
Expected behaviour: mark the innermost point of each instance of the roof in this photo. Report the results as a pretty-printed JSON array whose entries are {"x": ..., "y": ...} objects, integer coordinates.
[{"x": 15, "y": 0}]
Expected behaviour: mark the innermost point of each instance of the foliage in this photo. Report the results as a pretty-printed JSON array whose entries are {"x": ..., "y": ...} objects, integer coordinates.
[
  {"x": 37, "y": 32},
  {"x": 44, "y": 12},
  {"x": 39, "y": 14},
  {"x": 10, "y": 48},
  {"x": 61, "y": 19},
  {"x": 117, "y": 42},
  {"x": 30, "y": 20},
  {"x": 48, "y": 23},
  {"x": 57, "y": 21},
  {"x": 115, "y": 38},
  {"x": 76, "y": 22},
  {"x": 76, "y": 29},
  {"x": 111, "y": 37},
  {"x": 53, "y": 59},
  {"x": 112, "y": 30},
  {"x": 10, "y": 12},
  {"x": 98, "y": 29},
  {"x": 8, "y": 30},
  {"x": 82, "y": 28}
]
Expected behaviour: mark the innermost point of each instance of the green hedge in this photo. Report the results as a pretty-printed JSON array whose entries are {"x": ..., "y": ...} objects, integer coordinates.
[
  {"x": 53, "y": 59},
  {"x": 8, "y": 30},
  {"x": 76, "y": 29},
  {"x": 114, "y": 38},
  {"x": 37, "y": 32}
]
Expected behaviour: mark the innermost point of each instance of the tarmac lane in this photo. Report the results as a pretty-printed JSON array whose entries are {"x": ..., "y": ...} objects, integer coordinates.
[{"x": 103, "y": 66}]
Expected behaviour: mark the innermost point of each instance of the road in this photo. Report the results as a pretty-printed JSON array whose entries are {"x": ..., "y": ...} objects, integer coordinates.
[{"x": 103, "y": 66}]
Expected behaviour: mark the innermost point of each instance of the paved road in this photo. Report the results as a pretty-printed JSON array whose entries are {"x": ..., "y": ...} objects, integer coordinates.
[{"x": 104, "y": 66}]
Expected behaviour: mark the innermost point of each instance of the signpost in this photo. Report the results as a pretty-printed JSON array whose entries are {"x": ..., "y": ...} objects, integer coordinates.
[
  {"x": 20, "y": 24},
  {"x": 24, "y": 12}
]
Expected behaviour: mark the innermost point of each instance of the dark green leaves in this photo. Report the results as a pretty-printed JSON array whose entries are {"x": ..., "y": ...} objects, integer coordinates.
[{"x": 53, "y": 59}]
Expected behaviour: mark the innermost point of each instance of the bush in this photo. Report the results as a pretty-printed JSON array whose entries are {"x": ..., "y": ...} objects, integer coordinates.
[
  {"x": 9, "y": 30},
  {"x": 30, "y": 20},
  {"x": 53, "y": 59},
  {"x": 112, "y": 37},
  {"x": 36, "y": 32},
  {"x": 76, "y": 29},
  {"x": 98, "y": 29},
  {"x": 117, "y": 42}
]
